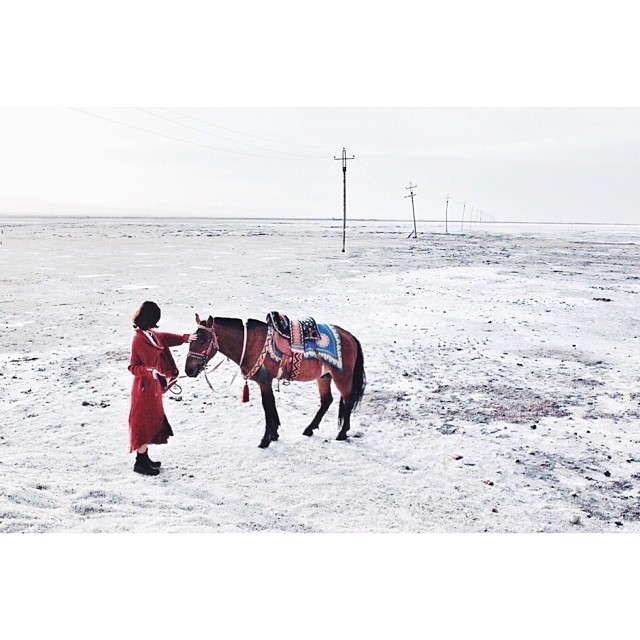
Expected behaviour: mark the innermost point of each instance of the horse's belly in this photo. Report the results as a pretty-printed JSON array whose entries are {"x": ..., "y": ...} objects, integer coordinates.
[{"x": 311, "y": 370}]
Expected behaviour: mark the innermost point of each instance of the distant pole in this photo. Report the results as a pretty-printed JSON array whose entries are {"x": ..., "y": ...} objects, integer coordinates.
[
  {"x": 344, "y": 194},
  {"x": 446, "y": 217},
  {"x": 464, "y": 206},
  {"x": 411, "y": 195}
]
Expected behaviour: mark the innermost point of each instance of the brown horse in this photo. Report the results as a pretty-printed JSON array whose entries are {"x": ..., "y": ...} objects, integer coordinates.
[{"x": 246, "y": 344}]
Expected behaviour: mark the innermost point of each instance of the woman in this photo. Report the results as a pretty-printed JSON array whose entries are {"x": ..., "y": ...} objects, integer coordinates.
[{"x": 154, "y": 370}]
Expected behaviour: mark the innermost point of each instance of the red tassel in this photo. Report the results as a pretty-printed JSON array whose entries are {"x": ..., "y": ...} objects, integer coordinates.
[{"x": 245, "y": 393}]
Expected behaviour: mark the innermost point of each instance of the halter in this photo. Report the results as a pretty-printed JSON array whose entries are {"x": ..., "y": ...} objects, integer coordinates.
[{"x": 212, "y": 348}]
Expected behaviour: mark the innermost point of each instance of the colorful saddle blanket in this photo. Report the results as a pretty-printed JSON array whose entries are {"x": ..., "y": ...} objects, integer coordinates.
[
  {"x": 326, "y": 347},
  {"x": 296, "y": 331}
]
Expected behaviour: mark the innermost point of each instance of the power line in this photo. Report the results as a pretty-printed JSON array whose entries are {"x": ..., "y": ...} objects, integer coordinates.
[
  {"x": 242, "y": 133},
  {"x": 377, "y": 177},
  {"x": 163, "y": 135},
  {"x": 208, "y": 133}
]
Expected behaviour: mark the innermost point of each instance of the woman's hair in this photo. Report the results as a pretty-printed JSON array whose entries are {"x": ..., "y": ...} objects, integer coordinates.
[{"x": 147, "y": 316}]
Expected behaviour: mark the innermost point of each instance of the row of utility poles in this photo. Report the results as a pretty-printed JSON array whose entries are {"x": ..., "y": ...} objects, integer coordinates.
[{"x": 414, "y": 234}]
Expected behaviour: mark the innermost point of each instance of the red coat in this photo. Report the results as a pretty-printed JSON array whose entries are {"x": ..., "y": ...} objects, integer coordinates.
[{"x": 148, "y": 423}]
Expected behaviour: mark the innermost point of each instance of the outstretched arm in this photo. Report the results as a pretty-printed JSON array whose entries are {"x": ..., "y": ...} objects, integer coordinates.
[{"x": 173, "y": 339}]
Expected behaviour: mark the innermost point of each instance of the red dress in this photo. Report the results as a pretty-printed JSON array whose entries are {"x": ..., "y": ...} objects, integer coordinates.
[{"x": 148, "y": 423}]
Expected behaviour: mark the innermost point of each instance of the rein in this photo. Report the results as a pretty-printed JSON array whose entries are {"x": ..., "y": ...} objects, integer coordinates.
[
  {"x": 175, "y": 388},
  {"x": 206, "y": 377},
  {"x": 214, "y": 346}
]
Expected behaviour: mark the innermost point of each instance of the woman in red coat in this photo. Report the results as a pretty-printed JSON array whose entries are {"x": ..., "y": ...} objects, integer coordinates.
[{"x": 154, "y": 369}]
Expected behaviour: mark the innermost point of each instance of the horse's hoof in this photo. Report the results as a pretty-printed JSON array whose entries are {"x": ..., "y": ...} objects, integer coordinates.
[
  {"x": 275, "y": 438},
  {"x": 308, "y": 432},
  {"x": 342, "y": 436},
  {"x": 264, "y": 444}
]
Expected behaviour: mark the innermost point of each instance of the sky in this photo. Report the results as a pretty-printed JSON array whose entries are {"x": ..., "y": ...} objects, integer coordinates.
[
  {"x": 517, "y": 112},
  {"x": 507, "y": 164}
]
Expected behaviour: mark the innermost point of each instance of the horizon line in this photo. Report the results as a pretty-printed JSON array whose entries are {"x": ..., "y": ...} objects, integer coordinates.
[{"x": 295, "y": 218}]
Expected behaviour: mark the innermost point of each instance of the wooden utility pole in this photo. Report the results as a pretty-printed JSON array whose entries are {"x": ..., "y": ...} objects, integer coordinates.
[
  {"x": 464, "y": 206},
  {"x": 411, "y": 195},
  {"x": 344, "y": 194},
  {"x": 446, "y": 216}
]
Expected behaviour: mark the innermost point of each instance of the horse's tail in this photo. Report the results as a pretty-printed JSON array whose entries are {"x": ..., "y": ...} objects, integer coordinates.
[
  {"x": 358, "y": 383},
  {"x": 359, "y": 380}
]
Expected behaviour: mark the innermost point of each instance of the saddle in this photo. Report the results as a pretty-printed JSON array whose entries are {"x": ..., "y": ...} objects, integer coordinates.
[{"x": 289, "y": 337}]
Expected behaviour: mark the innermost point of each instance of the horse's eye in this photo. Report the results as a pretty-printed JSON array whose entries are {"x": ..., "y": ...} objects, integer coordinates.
[{"x": 201, "y": 337}]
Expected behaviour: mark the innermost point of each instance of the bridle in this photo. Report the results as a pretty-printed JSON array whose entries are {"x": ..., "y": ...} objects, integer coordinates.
[
  {"x": 211, "y": 350},
  {"x": 213, "y": 347}
]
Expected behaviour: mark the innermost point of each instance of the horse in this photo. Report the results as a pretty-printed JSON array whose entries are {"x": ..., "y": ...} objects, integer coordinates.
[{"x": 247, "y": 344}]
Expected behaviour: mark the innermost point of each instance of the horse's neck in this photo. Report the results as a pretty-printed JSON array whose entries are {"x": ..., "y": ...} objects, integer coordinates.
[{"x": 231, "y": 340}]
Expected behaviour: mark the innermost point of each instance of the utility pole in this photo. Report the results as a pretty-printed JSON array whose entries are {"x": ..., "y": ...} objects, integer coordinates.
[
  {"x": 464, "y": 206},
  {"x": 446, "y": 216},
  {"x": 344, "y": 193},
  {"x": 411, "y": 195}
]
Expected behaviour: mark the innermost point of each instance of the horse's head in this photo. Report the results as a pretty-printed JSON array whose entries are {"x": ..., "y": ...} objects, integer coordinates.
[{"x": 203, "y": 348}]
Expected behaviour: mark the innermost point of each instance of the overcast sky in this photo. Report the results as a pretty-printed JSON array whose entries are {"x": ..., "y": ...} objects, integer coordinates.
[
  {"x": 532, "y": 163},
  {"x": 520, "y": 164}
]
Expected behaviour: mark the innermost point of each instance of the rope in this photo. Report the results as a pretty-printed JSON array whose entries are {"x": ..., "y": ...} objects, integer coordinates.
[
  {"x": 175, "y": 388},
  {"x": 244, "y": 350},
  {"x": 212, "y": 370},
  {"x": 244, "y": 345}
]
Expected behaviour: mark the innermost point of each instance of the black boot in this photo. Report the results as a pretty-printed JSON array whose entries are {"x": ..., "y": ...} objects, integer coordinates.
[
  {"x": 155, "y": 465},
  {"x": 143, "y": 466}
]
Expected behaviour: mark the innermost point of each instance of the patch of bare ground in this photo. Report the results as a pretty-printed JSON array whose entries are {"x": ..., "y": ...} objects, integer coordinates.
[{"x": 494, "y": 402}]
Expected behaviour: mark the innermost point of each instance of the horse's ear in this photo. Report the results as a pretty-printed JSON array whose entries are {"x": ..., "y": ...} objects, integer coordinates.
[
  {"x": 210, "y": 321},
  {"x": 197, "y": 319}
]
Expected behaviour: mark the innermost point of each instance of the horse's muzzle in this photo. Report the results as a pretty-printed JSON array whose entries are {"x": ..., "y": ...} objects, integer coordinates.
[{"x": 192, "y": 369}]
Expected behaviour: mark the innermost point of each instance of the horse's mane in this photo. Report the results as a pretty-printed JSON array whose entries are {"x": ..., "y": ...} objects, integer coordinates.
[{"x": 237, "y": 322}]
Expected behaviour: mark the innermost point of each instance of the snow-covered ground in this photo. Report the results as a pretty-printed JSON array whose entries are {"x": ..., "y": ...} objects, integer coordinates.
[{"x": 502, "y": 362}]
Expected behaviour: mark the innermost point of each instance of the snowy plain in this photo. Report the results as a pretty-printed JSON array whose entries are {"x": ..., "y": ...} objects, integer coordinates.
[{"x": 502, "y": 362}]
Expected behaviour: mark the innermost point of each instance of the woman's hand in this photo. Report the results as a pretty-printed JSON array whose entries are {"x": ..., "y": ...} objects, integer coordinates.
[
  {"x": 193, "y": 337},
  {"x": 160, "y": 378}
]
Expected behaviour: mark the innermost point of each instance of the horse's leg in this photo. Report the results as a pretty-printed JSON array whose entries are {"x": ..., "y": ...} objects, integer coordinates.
[
  {"x": 344, "y": 418},
  {"x": 351, "y": 384},
  {"x": 275, "y": 422},
  {"x": 324, "y": 387},
  {"x": 272, "y": 421},
  {"x": 343, "y": 383}
]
